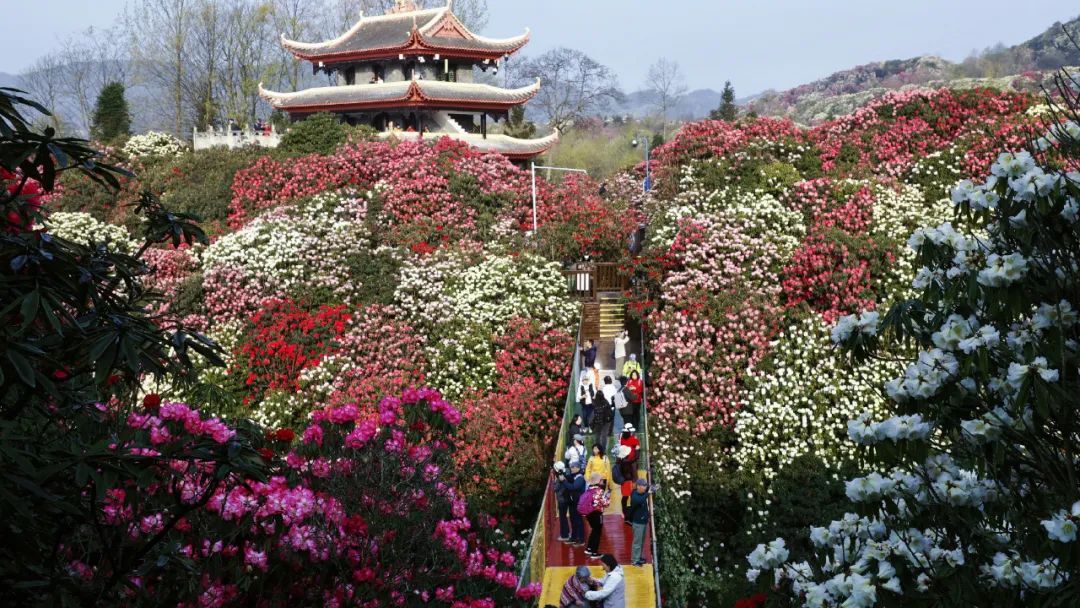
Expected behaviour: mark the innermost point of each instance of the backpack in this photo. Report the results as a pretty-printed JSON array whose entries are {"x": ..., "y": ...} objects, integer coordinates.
[
  {"x": 593, "y": 500},
  {"x": 620, "y": 398}
]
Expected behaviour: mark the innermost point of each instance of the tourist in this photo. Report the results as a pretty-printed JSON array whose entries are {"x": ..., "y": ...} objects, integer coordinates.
[
  {"x": 621, "y": 341},
  {"x": 573, "y": 592},
  {"x": 575, "y": 487},
  {"x": 631, "y": 366},
  {"x": 639, "y": 518},
  {"x": 586, "y": 392},
  {"x": 600, "y": 463},
  {"x": 562, "y": 498},
  {"x": 612, "y": 591},
  {"x": 594, "y": 374},
  {"x": 589, "y": 353},
  {"x": 577, "y": 426},
  {"x": 629, "y": 440},
  {"x": 636, "y": 389},
  {"x": 604, "y": 414},
  {"x": 592, "y": 504},
  {"x": 576, "y": 453}
]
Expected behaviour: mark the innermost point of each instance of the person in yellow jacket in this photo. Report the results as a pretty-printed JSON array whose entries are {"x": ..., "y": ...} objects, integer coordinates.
[
  {"x": 631, "y": 366},
  {"x": 599, "y": 463}
]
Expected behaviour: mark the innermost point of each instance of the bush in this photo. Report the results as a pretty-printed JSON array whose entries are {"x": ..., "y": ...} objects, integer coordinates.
[
  {"x": 319, "y": 133},
  {"x": 200, "y": 181}
]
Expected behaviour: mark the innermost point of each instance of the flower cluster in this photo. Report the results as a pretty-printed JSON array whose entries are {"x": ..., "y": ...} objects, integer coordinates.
[
  {"x": 152, "y": 144},
  {"x": 82, "y": 228},
  {"x": 998, "y": 343},
  {"x": 349, "y": 484}
]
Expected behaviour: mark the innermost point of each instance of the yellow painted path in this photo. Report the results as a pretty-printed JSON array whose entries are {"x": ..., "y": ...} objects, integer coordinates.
[{"x": 640, "y": 592}]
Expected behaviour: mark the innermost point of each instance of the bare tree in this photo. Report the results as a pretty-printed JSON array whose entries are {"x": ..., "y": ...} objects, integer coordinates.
[
  {"x": 250, "y": 57},
  {"x": 668, "y": 87},
  {"x": 158, "y": 31},
  {"x": 297, "y": 20},
  {"x": 44, "y": 81},
  {"x": 573, "y": 85}
]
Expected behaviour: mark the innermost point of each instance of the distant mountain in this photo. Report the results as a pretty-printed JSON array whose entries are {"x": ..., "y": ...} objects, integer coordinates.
[
  {"x": 1024, "y": 66},
  {"x": 694, "y": 105},
  {"x": 8, "y": 80}
]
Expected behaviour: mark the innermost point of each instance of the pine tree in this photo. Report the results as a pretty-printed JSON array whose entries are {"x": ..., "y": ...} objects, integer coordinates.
[
  {"x": 111, "y": 117},
  {"x": 517, "y": 126},
  {"x": 727, "y": 110}
]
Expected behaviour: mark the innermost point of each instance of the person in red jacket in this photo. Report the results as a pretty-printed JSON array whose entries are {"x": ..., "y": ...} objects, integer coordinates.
[{"x": 636, "y": 389}]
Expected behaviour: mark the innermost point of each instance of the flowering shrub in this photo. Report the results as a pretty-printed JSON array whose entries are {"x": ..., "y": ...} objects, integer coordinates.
[
  {"x": 304, "y": 250},
  {"x": 152, "y": 144},
  {"x": 799, "y": 400},
  {"x": 719, "y": 313},
  {"x": 833, "y": 270},
  {"x": 284, "y": 340},
  {"x": 460, "y": 302},
  {"x": 82, "y": 228},
  {"x": 960, "y": 512},
  {"x": 508, "y": 468},
  {"x": 891, "y": 133},
  {"x": 761, "y": 234}
]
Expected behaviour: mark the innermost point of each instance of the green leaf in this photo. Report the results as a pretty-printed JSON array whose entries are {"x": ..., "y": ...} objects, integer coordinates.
[
  {"x": 30, "y": 304},
  {"x": 22, "y": 367}
]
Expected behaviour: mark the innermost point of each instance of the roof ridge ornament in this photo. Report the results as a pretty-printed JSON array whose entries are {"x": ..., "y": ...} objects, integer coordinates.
[{"x": 403, "y": 6}]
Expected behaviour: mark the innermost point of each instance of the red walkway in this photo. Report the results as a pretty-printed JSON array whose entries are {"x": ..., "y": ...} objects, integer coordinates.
[{"x": 616, "y": 539}]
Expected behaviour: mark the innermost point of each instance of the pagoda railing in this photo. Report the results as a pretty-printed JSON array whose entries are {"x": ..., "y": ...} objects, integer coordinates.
[{"x": 235, "y": 138}]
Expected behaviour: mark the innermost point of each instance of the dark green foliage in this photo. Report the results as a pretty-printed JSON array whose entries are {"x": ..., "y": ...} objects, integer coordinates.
[
  {"x": 74, "y": 333},
  {"x": 200, "y": 182},
  {"x": 727, "y": 109},
  {"x": 466, "y": 188},
  {"x": 319, "y": 133},
  {"x": 657, "y": 140},
  {"x": 517, "y": 126},
  {"x": 111, "y": 120}
]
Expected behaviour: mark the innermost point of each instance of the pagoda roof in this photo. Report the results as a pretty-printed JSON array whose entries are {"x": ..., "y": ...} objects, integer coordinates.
[
  {"x": 417, "y": 32},
  {"x": 511, "y": 147},
  {"x": 408, "y": 93}
]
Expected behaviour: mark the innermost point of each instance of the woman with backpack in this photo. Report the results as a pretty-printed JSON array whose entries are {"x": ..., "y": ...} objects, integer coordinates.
[{"x": 592, "y": 504}]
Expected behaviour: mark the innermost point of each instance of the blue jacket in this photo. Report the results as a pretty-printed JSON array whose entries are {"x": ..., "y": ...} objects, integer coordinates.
[
  {"x": 575, "y": 487},
  {"x": 639, "y": 507},
  {"x": 590, "y": 357}
]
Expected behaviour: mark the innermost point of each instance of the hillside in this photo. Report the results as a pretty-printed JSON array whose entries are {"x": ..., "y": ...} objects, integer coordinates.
[
  {"x": 694, "y": 105},
  {"x": 1023, "y": 67}
]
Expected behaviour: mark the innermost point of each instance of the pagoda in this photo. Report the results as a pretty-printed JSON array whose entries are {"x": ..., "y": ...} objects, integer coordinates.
[{"x": 409, "y": 74}]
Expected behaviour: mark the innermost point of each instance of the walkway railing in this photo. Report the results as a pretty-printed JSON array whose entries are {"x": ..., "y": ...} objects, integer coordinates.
[
  {"x": 532, "y": 568},
  {"x": 648, "y": 467},
  {"x": 534, "y": 564}
]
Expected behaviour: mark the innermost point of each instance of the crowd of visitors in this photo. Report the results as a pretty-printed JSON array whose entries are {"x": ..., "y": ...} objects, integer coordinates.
[{"x": 587, "y": 476}]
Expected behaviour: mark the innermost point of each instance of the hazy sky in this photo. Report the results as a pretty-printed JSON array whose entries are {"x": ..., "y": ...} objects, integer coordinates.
[{"x": 757, "y": 44}]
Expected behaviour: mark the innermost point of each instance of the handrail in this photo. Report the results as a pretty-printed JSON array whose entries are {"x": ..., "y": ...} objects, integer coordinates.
[
  {"x": 568, "y": 417},
  {"x": 648, "y": 467}
]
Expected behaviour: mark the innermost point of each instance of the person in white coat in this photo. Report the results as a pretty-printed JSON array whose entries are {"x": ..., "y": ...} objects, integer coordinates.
[
  {"x": 621, "y": 341},
  {"x": 612, "y": 591}
]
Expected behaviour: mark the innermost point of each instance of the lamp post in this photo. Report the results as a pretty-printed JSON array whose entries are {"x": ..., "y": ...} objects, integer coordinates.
[
  {"x": 648, "y": 164},
  {"x": 533, "y": 168}
]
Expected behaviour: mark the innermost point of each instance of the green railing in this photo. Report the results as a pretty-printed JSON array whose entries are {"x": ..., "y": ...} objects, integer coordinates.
[
  {"x": 533, "y": 566},
  {"x": 648, "y": 468}
]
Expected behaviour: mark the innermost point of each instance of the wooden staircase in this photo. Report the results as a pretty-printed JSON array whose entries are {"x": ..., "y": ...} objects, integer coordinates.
[{"x": 612, "y": 317}]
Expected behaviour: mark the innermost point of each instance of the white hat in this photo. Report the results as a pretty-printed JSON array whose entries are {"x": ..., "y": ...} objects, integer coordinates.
[
  {"x": 596, "y": 365},
  {"x": 629, "y": 428},
  {"x": 633, "y": 357},
  {"x": 560, "y": 466}
]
